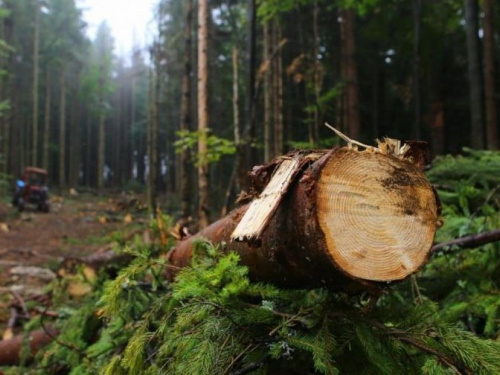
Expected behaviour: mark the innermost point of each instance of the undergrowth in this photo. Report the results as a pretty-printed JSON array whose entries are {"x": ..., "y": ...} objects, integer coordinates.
[{"x": 214, "y": 320}]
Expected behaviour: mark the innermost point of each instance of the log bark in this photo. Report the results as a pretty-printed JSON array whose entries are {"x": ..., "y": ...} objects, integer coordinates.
[
  {"x": 10, "y": 350},
  {"x": 348, "y": 220}
]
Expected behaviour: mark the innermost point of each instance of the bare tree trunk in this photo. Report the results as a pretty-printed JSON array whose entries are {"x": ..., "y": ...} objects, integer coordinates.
[
  {"x": 375, "y": 100},
  {"x": 8, "y": 90},
  {"x": 149, "y": 143},
  {"x": 203, "y": 182},
  {"x": 318, "y": 74},
  {"x": 236, "y": 112},
  {"x": 489, "y": 77},
  {"x": 417, "y": 19},
  {"x": 268, "y": 117},
  {"x": 135, "y": 138},
  {"x": 154, "y": 166},
  {"x": 75, "y": 142},
  {"x": 251, "y": 134},
  {"x": 36, "y": 47},
  {"x": 233, "y": 180},
  {"x": 185, "y": 125},
  {"x": 62, "y": 129},
  {"x": 477, "y": 130},
  {"x": 46, "y": 127},
  {"x": 152, "y": 142},
  {"x": 350, "y": 74},
  {"x": 101, "y": 150},
  {"x": 437, "y": 126},
  {"x": 277, "y": 92},
  {"x": 338, "y": 68},
  {"x": 88, "y": 151}
]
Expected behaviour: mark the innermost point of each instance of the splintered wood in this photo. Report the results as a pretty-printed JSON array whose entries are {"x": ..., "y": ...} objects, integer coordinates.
[{"x": 261, "y": 209}]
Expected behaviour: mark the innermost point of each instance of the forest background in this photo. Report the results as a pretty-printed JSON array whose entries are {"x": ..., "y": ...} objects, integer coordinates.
[
  {"x": 226, "y": 85},
  {"x": 276, "y": 71}
]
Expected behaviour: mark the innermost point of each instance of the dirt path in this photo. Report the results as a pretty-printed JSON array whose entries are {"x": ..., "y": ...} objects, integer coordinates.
[{"x": 75, "y": 227}]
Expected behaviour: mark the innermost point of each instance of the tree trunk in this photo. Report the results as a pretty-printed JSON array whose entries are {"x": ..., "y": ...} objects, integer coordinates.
[
  {"x": 151, "y": 180},
  {"x": 348, "y": 219},
  {"x": 277, "y": 92},
  {"x": 10, "y": 350},
  {"x": 251, "y": 131},
  {"x": 154, "y": 165},
  {"x": 101, "y": 151},
  {"x": 185, "y": 125},
  {"x": 489, "y": 77},
  {"x": 318, "y": 75},
  {"x": 62, "y": 130},
  {"x": 134, "y": 144},
  {"x": 268, "y": 146},
  {"x": 36, "y": 47},
  {"x": 350, "y": 74},
  {"x": 203, "y": 183},
  {"x": 88, "y": 150},
  {"x": 417, "y": 17},
  {"x": 437, "y": 126},
  {"x": 476, "y": 107},
  {"x": 375, "y": 110},
  {"x": 46, "y": 127},
  {"x": 8, "y": 89},
  {"x": 75, "y": 138}
]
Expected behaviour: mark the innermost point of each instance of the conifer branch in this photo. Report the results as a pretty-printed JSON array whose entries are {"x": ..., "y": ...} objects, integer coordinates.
[
  {"x": 458, "y": 368},
  {"x": 54, "y": 337}
]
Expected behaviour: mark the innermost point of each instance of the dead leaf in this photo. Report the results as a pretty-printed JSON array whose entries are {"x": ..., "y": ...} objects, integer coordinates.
[
  {"x": 128, "y": 219},
  {"x": 89, "y": 273},
  {"x": 8, "y": 334},
  {"x": 102, "y": 219},
  {"x": 4, "y": 227},
  {"x": 146, "y": 237},
  {"x": 78, "y": 288}
]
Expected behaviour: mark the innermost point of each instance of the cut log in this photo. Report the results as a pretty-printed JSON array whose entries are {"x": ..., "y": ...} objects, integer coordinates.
[
  {"x": 10, "y": 350},
  {"x": 350, "y": 218}
]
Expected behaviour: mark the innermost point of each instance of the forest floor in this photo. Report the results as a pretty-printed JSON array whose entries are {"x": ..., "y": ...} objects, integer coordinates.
[{"x": 75, "y": 227}]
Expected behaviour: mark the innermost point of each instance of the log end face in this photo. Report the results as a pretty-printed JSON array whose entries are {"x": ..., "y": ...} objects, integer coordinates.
[{"x": 378, "y": 213}]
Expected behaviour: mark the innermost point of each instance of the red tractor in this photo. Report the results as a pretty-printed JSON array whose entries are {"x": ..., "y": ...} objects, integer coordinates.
[{"x": 32, "y": 189}]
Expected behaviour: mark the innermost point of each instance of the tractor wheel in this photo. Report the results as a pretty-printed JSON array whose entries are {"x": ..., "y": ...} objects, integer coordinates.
[{"x": 20, "y": 205}]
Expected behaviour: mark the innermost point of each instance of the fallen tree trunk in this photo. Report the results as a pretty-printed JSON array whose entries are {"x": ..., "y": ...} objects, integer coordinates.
[
  {"x": 10, "y": 350},
  {"x": 347, "y": 219}
]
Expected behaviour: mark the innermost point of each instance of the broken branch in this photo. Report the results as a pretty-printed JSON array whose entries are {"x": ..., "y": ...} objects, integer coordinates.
[{"x": 467, "y": 242}]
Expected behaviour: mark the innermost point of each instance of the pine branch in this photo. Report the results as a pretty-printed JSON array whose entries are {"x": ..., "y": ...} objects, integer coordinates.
[
  {"x": 48, "y": 332},
  {"x": 400, "y": 335},
  {"x": 248, "y": 369},
  {"x": 467, "y": 242}
]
